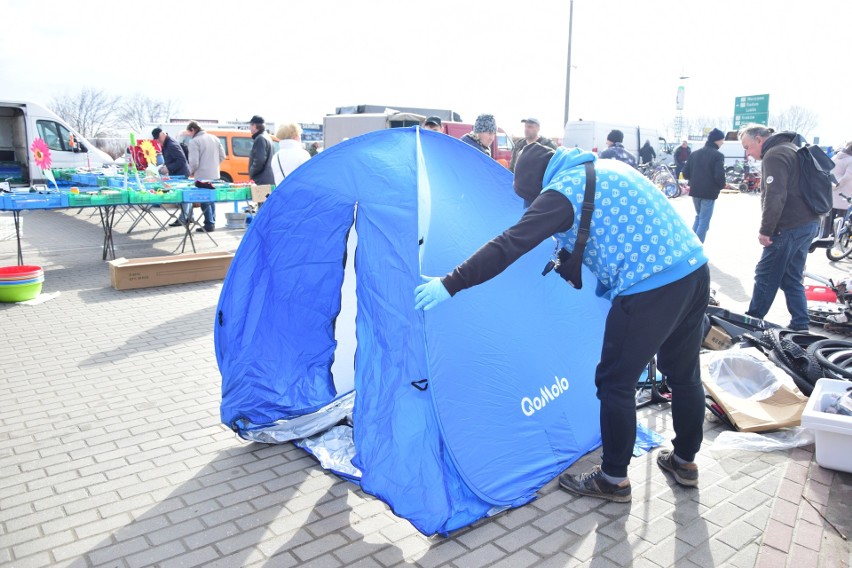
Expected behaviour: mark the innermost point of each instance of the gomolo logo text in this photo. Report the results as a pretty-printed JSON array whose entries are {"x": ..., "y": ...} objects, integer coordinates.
[{"x": 529, "y": 406}]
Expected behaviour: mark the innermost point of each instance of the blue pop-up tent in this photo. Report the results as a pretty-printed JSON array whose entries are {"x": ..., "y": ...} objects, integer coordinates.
[{"x": 448, "y": 415}]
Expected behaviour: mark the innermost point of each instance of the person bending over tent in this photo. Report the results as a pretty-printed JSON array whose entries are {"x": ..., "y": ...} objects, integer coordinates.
[{"x": 647, "y": 262}]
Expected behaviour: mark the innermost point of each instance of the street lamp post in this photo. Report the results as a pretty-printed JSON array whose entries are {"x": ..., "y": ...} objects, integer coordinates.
[
  {"x": 681, "y": 91},
  {"x": 568, "y": 73}
]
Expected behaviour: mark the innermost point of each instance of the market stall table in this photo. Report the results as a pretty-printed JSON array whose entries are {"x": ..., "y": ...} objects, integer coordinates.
[{"x": 108, "y": 201}]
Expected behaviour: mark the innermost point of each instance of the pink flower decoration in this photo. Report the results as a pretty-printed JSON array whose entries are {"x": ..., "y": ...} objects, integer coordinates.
[{"x": 41, "y": 153}]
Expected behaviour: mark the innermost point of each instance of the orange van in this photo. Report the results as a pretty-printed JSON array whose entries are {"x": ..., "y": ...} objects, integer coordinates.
[{"x": 237, "y": 145}]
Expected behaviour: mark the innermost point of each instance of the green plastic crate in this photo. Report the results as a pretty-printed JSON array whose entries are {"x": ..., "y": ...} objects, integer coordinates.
[
  {"x": 116, "y": 198},
  {"x": 138, "y": 197},
  {"x": 79, "y": 199},
  {"x": 173, "y": 196},
  {"x": 231, "y": 194}
]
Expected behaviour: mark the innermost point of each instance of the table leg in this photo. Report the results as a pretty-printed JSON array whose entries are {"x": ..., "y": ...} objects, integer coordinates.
[
  {"x": 107, "y": 213},
  {"x": 16, "y": 215}
]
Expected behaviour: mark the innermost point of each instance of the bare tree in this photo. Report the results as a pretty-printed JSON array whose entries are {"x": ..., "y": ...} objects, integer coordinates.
[
  {"x": 139, "y": 111},
  {"x": 796, "y": 118},
  {"x": 92, "y": 112},
  {"x": 697, "y": 125},
  {"x": 115, "y": 147}
]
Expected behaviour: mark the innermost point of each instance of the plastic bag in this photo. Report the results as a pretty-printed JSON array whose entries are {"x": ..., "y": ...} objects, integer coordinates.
[
  {"x": 837, "y": 403},
  {"x": 783, "y": 439},
  {"x": 745, "y": 373},
  {"x": 646, "y": 439}
]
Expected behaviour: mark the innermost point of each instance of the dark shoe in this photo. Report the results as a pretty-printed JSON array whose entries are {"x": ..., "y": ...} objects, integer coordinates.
[
  {"x": 685, "y": 474},
  {"x": 177, "y": 224},
  {"x": 206, "y": 229},
  {"x": 592, "y": 484}
]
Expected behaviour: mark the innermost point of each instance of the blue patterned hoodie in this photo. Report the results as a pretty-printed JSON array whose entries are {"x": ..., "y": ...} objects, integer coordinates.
[{"x": 637, "y": 241}]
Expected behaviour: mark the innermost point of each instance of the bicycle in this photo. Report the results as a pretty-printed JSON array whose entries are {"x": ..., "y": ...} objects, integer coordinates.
[
  {"x": 841, "y": 246},
  {"x": 664, "y": 178}
]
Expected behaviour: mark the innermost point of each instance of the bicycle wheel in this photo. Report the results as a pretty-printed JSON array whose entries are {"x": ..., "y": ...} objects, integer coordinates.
[
  {"x": 671, "y": 190},
  {"x": 841, "y": 248}
]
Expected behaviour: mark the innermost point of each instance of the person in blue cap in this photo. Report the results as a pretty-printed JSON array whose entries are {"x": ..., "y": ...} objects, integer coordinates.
[{"x": 647, "y": 262}]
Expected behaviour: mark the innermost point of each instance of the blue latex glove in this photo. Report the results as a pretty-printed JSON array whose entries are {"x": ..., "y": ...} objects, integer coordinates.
[{"x": 430, "y": 294}]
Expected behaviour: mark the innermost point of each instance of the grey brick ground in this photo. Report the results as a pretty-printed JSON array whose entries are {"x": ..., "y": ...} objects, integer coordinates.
[{"x": 111, "y": 451}]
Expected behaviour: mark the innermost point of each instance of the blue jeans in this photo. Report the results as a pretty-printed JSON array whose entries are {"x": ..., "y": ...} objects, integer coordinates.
[
  {"x": 781, "y": 266},
  {"x": 209, "y": 210},
  {"x": 703, "y": 212}
]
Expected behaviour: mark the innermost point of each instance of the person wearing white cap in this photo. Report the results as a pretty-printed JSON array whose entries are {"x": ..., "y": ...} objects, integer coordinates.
[{"x": 531, "y": 129}]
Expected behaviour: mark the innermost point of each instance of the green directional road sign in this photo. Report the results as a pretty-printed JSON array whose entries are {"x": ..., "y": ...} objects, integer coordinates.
[{"x": 753, "y": 108}]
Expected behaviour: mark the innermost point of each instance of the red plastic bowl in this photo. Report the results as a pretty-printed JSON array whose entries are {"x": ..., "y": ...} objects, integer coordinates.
[{"x": 20, "y": 272}]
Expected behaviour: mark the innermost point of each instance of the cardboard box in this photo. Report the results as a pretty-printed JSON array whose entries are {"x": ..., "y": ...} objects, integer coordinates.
[
  {"x": 780, "y": 409},
  {"x": 832, "y": 432},
  {"x": 129, "y": 274},
  {"x": 717, "y": 339},
  {"x": 259, "y": 193}
]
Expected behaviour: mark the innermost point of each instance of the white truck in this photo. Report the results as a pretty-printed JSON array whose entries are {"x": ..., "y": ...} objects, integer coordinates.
[
  {"x": 339, "y": 127},
  {"x": 22, "y": 122},
  {"x": 591, "y": 135}
]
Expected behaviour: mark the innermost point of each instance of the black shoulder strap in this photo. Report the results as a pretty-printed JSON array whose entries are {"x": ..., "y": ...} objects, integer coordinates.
[
  {"x": 280, "y": 167},
  {"x": 573, "y": 270}
]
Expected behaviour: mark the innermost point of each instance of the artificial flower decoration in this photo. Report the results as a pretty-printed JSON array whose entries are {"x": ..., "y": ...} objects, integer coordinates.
[
  {"x": 41, "y": 153},
  {"x": 148, "y": 151}
]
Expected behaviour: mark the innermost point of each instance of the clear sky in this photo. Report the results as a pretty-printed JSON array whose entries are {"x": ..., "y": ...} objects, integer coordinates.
[{"x": 290, "y": 60}]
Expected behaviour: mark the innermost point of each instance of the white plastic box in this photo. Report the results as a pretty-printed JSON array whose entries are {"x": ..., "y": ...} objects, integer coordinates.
[{"x": 832, "y": 432}]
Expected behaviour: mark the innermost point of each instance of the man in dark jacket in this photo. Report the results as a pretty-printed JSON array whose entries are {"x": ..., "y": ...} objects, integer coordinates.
[
  {"x": 647, "y": 153},
  {"x": 615, "y": 149},
  {"x": 787, "y": 224},
  {"x": 681, "y": 155},
  {"x": 173, "y": 157},
  {"x": 531, "y": 129},
  {"x": 705, "y": 171},
  {"x": 174, "y": 160},
  {"x": 260, "y": 157}
]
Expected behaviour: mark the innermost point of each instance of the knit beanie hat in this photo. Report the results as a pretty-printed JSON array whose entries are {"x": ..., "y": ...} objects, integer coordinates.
[
  {"x": 485, "y": 123},
  {"x": 615, "y": 136},
  {"x": 715, "y": 135},
  {"x": 529, "y": 170}
]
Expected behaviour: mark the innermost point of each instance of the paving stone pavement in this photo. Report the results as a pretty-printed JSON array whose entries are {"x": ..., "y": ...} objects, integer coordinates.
[{"x": 112, "y": 454}]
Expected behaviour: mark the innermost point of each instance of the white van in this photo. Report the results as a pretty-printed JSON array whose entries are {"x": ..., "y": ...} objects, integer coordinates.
[
  {"x": 591, "y": 135},
  {"x": 23, "y": 122}
]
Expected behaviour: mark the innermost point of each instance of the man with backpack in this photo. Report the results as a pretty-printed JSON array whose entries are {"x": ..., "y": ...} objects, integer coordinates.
[{"x": 788, "y": 223}]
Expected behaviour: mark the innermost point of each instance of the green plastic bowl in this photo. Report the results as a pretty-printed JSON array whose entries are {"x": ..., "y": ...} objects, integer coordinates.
[{"x": 20, "y": 292}]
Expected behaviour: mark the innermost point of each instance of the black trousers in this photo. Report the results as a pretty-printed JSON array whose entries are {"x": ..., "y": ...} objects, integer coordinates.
[{"x": 667, "y": 322}]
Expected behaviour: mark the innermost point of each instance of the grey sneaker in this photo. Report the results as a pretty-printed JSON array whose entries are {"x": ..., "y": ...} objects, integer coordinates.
[
  {"x": 685, "y": 474},
  {"x": 592, "y": 484}
]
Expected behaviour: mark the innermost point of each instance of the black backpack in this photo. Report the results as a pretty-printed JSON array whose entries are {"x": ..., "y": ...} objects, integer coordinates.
[
  {"x": 185, "y": 149},
  {"x": 815, "y": 178}
]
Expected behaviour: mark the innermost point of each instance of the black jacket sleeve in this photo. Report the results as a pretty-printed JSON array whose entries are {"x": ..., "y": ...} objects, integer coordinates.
[
  {"x": 719, "y": 171},
  {"x": 550, "y": 213}
]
